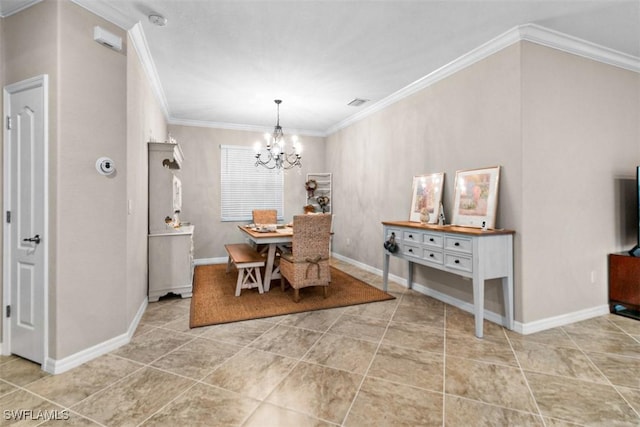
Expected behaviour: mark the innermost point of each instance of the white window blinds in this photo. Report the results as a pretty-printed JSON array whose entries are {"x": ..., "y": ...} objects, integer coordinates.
[{"x": 245, "y": 187}]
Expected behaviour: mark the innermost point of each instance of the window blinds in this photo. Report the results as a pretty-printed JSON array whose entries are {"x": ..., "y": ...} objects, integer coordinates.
[{"x": 245, "y": 187}]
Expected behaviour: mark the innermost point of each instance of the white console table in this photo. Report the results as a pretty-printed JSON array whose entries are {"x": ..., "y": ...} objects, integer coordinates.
[{"x": 465, "y": 251}]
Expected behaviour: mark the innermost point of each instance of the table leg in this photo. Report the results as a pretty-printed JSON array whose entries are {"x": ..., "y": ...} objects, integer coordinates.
[
  {"x": 385, "y": 271},
  {"x": 478, "y": 303},
  {"x": 410, "y": 276},
  {"x": 507, "y": 292},
  {"x": 268, "y": 269}
]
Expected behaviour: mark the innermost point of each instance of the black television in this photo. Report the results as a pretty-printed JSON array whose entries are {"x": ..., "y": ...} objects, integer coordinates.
[{"x": 636, "y": 249}]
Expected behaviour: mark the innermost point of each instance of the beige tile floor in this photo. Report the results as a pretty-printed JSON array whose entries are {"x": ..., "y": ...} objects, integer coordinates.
[{"x": 413, "y": 361}]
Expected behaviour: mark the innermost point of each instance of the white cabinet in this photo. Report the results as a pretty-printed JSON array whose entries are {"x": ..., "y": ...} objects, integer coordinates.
[
  {"x": 320, "y": 196},
  {"x": 170, "y": 246},
  {"x": 171, "y": 263}
]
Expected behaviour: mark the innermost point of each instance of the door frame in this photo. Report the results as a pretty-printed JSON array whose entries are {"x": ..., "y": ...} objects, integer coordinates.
[{"x": 34, "y": 82}]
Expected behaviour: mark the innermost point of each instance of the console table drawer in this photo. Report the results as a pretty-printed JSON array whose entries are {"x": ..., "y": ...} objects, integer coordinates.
[
  {"x": 412, "y": 236},
  {"x": 411, "y": 250},
  {"x": 396, "y": 231},
  {"x": 433, "y": 239},
  {"x": 458, "y": 262},
  {"x": 433, "y": 256},
  {"x": 458, "y": 243}
]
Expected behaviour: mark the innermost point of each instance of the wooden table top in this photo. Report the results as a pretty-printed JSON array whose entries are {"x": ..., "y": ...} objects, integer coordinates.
[
  {"x": 448, "y": 228},
  {"x": 281, "y": 232}
]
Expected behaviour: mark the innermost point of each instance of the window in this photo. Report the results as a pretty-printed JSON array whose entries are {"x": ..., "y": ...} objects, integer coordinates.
[{"x": 245, "y": 187}]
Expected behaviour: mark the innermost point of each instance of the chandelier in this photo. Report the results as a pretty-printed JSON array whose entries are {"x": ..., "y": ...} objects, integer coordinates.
[{"x": 275, "y": 155}]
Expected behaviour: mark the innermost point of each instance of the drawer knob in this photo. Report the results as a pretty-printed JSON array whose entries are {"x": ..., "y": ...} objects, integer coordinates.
[
  {"x": 457, "y": 261},
  {"x": 431, "y": 239},
  {"x": 431, "y": 255},
  {"x": 411, "y": 250},
  {"x": 456, "y": 244},
  {"x": 411, "y": 236}
]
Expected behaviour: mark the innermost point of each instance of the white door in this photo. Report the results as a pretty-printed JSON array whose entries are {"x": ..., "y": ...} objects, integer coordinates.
[{"x": 26, "y": 217}]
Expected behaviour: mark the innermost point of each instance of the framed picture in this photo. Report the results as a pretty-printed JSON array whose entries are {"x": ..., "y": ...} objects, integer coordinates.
[
  {"x": 427, "y": 195},
  {"x": 476, "y": 197}
]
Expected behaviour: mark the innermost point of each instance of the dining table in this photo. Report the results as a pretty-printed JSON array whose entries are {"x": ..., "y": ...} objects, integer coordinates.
[{"x": 282, "y": 235}]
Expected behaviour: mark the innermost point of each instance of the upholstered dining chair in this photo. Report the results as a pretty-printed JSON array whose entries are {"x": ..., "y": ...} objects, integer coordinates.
[{"x": 308, "y": 262}]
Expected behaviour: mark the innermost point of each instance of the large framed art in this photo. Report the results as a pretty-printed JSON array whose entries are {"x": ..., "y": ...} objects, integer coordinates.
[
  {"x": 427, "y": 195},
  {"x": 476, "y": 197}
]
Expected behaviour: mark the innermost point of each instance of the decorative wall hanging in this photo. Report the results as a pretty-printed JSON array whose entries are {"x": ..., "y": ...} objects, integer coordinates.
[
  {"x": 476, "y": 197},
  {"x": 311, "y": 186},
  {"x": 427, "y": 195}
]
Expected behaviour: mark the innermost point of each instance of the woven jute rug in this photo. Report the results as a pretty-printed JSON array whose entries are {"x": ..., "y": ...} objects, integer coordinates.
[{"x": 214, "y": 299}]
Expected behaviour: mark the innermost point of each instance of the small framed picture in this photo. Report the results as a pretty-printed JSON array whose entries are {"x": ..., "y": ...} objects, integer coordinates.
[
  {"x": 476, "y": 197},
  {"x": 427, "y": 195}
]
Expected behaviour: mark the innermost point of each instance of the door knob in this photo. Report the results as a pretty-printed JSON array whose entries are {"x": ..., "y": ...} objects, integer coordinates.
[{"x": 35, "y": 239}]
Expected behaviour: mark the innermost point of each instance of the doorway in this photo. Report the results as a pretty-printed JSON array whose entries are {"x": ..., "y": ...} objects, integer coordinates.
[{"x": 25, "y": 261}]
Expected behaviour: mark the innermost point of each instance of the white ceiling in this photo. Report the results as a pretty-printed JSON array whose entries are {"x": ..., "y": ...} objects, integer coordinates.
[{"x": 224, "y": 62}]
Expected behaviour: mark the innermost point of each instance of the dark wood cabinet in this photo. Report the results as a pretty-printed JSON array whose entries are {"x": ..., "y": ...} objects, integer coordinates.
[{"x": 624, "y": 284}]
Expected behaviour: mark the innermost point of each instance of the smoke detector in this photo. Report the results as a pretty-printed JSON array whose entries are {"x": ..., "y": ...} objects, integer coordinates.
[{"x": 157, "y": 19}]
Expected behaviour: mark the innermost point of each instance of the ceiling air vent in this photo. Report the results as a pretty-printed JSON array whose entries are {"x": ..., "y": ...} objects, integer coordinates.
[{"x": 357, "y": 102}]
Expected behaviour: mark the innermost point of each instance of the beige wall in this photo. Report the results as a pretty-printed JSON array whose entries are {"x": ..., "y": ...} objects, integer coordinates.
[
  {"x": 469, "y": 120},
  {"x": 32, "y": 52},
  {"x": 91, "y": 220},
  {"x": 145, "y": 120},
  {"x": 579, "y": 137},
  {"x": 564, "y": 129},
  {"x": 100, "y": 105},
  {"x": 201, "y": 183}
]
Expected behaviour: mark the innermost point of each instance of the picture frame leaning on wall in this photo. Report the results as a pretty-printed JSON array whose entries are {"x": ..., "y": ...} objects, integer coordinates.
[
  {"x": 426, "y": 197},
  {"x": 476, "y": 197}
]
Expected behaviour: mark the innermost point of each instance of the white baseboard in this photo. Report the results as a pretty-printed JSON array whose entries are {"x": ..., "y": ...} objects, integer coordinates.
[
  {"x": 401, "y": 280},
  {"x": 563, "y": 319},
  {"x": 58, "y": 366},
  {"x": 521, "y": 328},
  {"x": 208, "y": 261}
]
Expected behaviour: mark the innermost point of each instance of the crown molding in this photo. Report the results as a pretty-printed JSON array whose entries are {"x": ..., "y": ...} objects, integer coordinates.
[
  {"x": 554, "y": 39},
  {"x": 481, "y": 52},
  {"x": 104, "y": 10},
  {"x": 139, "y": 42},
  {"x": 246, "y": 128},
  {"x": 8, "y": 9},
  {"x": 529, "y": 32}
]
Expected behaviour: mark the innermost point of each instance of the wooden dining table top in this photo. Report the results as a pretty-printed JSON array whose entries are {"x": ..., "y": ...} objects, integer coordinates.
[{"x": 284, "y": 232}]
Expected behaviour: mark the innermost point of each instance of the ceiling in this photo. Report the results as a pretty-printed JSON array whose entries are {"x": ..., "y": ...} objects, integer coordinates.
[{"x": 222, "y": 63}]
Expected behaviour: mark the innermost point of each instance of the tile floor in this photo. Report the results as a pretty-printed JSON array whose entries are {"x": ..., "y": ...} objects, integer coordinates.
[{"x": 413, "y": 361}]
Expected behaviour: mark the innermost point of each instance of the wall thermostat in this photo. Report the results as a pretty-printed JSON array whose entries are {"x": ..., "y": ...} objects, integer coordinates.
[{"x": 105, "y": 166}]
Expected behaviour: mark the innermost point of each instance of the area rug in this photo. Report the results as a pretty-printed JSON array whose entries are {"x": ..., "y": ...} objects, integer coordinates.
[{"x": 214, "y": 299}]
